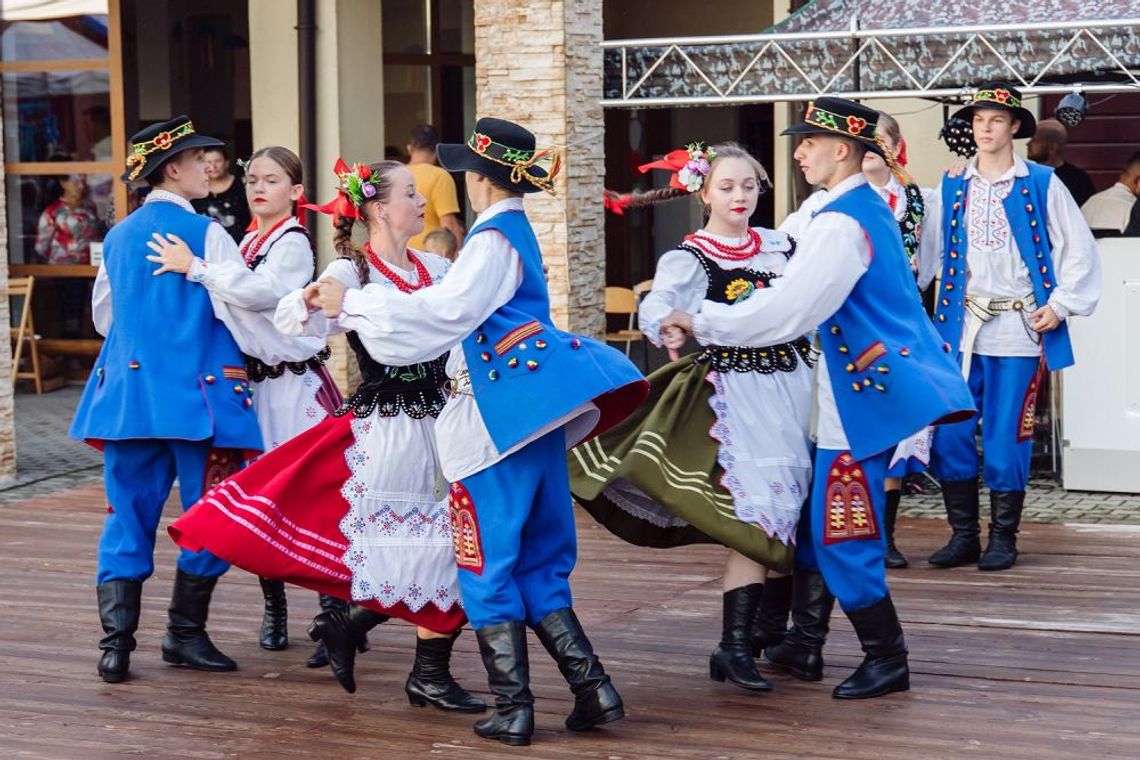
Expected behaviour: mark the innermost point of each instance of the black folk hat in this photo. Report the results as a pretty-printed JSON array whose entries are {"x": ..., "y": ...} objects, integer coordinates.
[
  {"x": 158, "y": 143},
  {"x": 1003, "y": 96},
  {"x": 504, "y": 153},
  {"x": 837, "y": 117}
]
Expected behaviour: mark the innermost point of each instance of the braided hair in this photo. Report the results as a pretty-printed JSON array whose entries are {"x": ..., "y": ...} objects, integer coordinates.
[{"x": 618, "y": 202}]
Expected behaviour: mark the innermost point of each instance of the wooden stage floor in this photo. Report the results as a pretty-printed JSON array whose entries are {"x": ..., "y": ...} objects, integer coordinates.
[{"x": 1042, "y": 661}]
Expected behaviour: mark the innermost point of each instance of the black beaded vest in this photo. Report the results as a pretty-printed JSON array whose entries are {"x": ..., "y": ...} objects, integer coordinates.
[{"x": 416, "y": 390}]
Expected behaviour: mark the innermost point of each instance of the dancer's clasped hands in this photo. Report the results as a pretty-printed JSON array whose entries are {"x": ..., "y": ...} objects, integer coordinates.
[{"x": 326, "y": 295}]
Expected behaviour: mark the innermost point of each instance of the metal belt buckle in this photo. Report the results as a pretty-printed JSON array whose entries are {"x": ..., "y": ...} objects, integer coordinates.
[
  {"x": 460, "y": 384},
  {"x": 1017, "y": 305}
]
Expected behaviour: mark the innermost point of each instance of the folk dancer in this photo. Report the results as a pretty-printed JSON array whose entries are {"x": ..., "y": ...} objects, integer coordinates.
[
  {"x": 882, "y": 377},
  {"x": 161, "y": 403}
]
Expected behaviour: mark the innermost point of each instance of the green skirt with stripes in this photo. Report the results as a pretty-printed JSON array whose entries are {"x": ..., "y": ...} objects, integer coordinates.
[{"x": 654, "y": 479}]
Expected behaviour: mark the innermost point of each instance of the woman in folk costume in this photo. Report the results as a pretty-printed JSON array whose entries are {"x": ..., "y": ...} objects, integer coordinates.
[
  {"x": 355, "y": 507},
  {"x": 720, "y": 452},
  {"x": 293, "y": 389},
  {"x": 908, "y": 202}
]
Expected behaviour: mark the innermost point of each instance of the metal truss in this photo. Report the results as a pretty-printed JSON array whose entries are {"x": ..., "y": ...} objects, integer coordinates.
[{"x": 727, "y": 67}]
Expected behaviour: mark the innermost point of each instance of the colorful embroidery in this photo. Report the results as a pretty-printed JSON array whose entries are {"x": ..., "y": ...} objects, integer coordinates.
[
  {"x": 517, "y": 335},
  {"x": 465, "y": 530},
  {"x": 875, "y": 352},
  {"x": 849, "y": 514},
  {"x": 1028, "y": 410},
  {"x": 235, "y": 373},
  {"x": 988, "y": 225},
  {"x": 221, "y": 464}
]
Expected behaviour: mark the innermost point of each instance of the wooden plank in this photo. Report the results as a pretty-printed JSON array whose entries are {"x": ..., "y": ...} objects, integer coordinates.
[{"x": 53, "y": 271}]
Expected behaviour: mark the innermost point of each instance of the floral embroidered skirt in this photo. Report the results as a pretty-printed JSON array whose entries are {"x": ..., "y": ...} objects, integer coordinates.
[
  {"x": 353, "y": 507},
  {"x": 658, "y": 479}
]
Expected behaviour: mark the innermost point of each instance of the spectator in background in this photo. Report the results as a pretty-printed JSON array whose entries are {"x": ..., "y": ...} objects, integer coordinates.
[
  {"x": 67, "y": 227},
  {"x": 442, "y": 242},
  {"x": 1108, "y": 211},
  {"x": 226, "y": 202},
  {"x": 1048, "y": 147},
  {"x": 434, "y": 184}
]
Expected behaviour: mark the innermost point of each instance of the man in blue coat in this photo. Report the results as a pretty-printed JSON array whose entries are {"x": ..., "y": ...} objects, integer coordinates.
[
  {"x": 168, "y": 398},
  {"x": 883, "y": 375}
]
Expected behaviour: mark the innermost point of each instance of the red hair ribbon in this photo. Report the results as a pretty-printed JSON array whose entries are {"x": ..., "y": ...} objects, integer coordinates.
[
  {"x": 341, "y": 205},
  {"x": 674, "y": 161},
  {"x": 615, "y": 202},
  {"x": 900, "y": 159}
]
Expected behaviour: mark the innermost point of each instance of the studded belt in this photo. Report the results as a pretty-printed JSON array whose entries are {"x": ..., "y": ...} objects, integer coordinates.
[
  {"x": 982, "y": 309},
  {"x": 460, "y": 385}
]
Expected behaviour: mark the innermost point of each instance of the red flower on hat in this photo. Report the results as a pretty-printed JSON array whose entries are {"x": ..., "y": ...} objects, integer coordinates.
[
  {"x": 855, "y": 125},
  {"x": 1001, "y": 96},
  {"x": 162, "y": 140},
  {"x": 482, "y": 142}
]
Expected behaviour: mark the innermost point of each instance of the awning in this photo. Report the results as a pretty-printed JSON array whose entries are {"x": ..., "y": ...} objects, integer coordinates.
[{"x": 890, "y": 48}]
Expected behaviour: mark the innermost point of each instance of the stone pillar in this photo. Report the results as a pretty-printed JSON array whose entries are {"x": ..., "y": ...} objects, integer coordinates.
[
  {"x": 7, "y": 403},
  {"x": 538, "y": 63}
]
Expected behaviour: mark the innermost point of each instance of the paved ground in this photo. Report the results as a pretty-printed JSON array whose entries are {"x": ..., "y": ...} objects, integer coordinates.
[{"x": 49, "y": 461}]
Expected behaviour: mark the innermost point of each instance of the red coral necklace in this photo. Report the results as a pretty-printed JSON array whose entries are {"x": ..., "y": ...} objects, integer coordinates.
[
  {"x": 250, "y": 250},
  {"x": 423, "y": 276},
  {"x": 714, "y": 247}
]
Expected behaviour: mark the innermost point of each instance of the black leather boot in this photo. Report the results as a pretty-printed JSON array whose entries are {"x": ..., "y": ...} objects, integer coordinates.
[
  {"x": 596, "y": 701},
  {"x": 320, "y": 658},
  {"x": 186, "y": 642},
  {"x": 274, "y": 625},
  {"x": 119, "y": 606},
  {"x": 964, "y": 547},
  {"x": 771, "y": 622},
  {"x": 801, "y": 651},
  {"x": 431, "y": 682},
  {"x": 732, "y": 658},
  {"x": 504, "y": 653},
  {"x": 343, "y": 631},
  {"x": 884, "y": 668},
  {"x": 895, "y": 558},
  {"x": 1005, "y": 517}
]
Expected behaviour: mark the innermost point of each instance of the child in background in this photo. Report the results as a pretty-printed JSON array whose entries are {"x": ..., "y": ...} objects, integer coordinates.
[{"x": 442, "y": 242}]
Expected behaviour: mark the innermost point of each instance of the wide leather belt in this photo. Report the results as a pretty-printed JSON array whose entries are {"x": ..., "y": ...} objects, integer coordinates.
[{"x": 982, "y": 309}]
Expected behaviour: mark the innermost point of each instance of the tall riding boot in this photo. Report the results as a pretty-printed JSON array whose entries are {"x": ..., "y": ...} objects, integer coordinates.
[
  {"x": 186, "y": 642},
  {"x": 119, "y": 605},
  {"x": 801, "y": 651},
  {"x": 503, "y": 648},
  {"x": 1005, "y": 517},
  {"x": 320, "y": 658},
  {"x": 771, "y": 622},
  {"x": 732, "y": 658},
  {"x": 895, "y": 558},
  {"x": 342, "y": 631},
  {"x": 961, "y": 499},
  {"x": 596, "y": 701},
  {"x": 884, "y": 668},
  {"x": 431, "y": 682},
  {"x": 274, "y": 625}
]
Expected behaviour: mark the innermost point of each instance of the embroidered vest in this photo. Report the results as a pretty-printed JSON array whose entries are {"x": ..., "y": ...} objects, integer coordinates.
[
  {"x": 1026, "y": 210},
  {"x": 525, "y": 373},
  {"x": 185, "y": 381},
  {"x": 734, "y": 286},
  {"x": 416, "y": 390},
  {"x": 888, "y": 371}
]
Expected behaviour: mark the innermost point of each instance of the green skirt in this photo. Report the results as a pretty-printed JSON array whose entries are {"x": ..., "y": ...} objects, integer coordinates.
[{"x": 654, "y": 479}]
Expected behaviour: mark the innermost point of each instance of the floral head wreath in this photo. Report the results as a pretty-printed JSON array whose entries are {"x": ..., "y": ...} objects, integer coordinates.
[
  {"x": 357, "y": 185},
  {"x": 690, "y": 166}
]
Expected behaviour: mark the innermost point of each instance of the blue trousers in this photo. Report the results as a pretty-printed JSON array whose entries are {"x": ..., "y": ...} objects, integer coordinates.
[
  {"x": 840, "y": 532},
  {"x": 1005, "y": 392},
  {"x": 139, "y": 475},
  {"x": 515, "y": 539}
]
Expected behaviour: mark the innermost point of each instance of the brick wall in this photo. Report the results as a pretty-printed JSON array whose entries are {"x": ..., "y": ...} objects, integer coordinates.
[{"x": 539, "y": 64}]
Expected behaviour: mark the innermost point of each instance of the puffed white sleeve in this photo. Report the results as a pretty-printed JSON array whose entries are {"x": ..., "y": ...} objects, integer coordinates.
[
  {"x": 678, "y": 283},
  {"x": 1076, "y": 259},
  {"x": 101, "y": 302},
  {"x": 293, "y": 318},
  {"x": 834, "y": 253},
  {"x": 796, "y": 222},
  {"x": 930, "y": 239},
  {"x": 225, "y": 274},
  {"x": 404, "y": 328}
]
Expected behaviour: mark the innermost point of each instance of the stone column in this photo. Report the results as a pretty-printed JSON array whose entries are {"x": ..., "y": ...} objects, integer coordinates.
[
  {"x": 539, "y": 64},
  {"x": 7, "y": 403}
]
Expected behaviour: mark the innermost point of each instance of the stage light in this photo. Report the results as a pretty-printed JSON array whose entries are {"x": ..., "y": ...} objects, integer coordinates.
[{"x": 1072, "y": 109}]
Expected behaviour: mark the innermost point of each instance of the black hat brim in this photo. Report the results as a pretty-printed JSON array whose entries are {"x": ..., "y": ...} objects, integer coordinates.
[
  {"x": 457, "y": 157},
  {"x": 1028, "y": 121},
  {"x": 812, "y": 129},
  {"x": 155, "y": 161}
]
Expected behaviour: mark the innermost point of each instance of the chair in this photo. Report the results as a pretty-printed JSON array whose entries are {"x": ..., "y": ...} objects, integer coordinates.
[
  {"x": 25, "y": 333},
  {"x": 622, "y": 301},
  {"x": 641, "y": 288}
]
